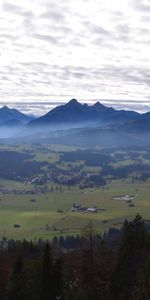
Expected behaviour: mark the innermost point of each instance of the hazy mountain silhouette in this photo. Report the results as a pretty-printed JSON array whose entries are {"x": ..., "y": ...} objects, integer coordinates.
[
  {"x": 75, "y": 113},
  {"x": 77, "y": 124},
  {"x": 12, "y": 123},
  {"x": 7, "y": 114}
]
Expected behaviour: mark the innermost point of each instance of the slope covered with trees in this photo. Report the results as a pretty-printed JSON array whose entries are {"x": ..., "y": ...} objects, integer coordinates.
[{"x": 94, "y": 268}]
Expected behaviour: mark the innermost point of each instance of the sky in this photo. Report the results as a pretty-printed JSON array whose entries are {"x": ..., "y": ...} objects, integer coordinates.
[{"x": 91, "y": 50}]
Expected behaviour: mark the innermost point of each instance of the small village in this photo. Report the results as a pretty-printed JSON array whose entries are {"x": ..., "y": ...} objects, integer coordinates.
[{"x": 16, "y": 191}]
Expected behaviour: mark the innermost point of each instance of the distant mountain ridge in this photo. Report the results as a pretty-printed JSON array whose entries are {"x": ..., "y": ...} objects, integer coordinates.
[
  {"x": 74, "y": 112},
  {"x": 8, "y": 114},
  {"x": 77, "y": 124}
]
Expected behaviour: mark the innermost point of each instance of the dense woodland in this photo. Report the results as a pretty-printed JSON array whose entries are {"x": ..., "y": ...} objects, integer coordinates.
[
  {"x": 23, "y": 166},
  {"x": 91, "y": 268},
  {"x": 18, "y": 165}
]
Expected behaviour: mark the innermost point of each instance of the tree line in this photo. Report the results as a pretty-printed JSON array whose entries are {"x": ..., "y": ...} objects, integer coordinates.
[{"x": 94, "y": 269}]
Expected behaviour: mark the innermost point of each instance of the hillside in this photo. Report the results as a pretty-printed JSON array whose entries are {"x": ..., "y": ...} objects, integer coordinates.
[{"x": 7, "y": 114}]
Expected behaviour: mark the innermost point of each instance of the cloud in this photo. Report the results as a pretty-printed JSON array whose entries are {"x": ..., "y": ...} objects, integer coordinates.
[
  {"x": 63, "y": 49},
  {"x": 46, "y": 37},
  {"x": 16, "y": 9},
  {"x": 53, "y": 16},
  {"x": 142, "y": 6}
]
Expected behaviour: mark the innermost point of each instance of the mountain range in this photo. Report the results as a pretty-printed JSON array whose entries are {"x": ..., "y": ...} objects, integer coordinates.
[
  {"x": 77, "y": 124},
  {"x": 74, "y": 114}
]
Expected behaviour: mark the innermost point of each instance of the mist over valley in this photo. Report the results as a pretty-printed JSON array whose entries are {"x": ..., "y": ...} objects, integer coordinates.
[{"x": 77, "y": 124}]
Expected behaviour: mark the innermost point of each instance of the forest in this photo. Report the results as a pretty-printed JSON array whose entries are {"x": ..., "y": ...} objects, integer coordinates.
[
  {"x": 16, "y": 165},
  {"x": 113, "y": 267}
]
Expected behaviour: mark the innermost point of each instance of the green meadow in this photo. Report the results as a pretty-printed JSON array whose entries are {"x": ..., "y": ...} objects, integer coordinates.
[
  {"x": 42, "y": 219},
  {"x": 49, "y": 214}
]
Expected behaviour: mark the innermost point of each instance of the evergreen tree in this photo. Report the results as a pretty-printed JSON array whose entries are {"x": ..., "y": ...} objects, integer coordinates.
[
  {"x": 17, "y": 288},
  {"x": 129, "y": 257},
  {"x": 58, "y": 286},
  {"x": 142, "y": 288},
  {"x": 47, "y": 274}
]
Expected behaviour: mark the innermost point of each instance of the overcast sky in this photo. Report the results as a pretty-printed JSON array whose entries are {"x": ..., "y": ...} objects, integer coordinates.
[{"x": 55, "y": 50}]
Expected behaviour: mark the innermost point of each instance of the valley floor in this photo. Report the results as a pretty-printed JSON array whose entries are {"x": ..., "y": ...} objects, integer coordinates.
[
  {"x": 51, "y": 190},
  {"x": 50, "y": 214}
]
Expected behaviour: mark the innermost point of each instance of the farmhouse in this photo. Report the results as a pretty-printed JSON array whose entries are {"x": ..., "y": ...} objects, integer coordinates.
[
  {"x": 92, "y": 210},
  {"x": 76, "y": 207},
  {"x": 124, "y": 197},
  {"x": 79, "y": 208}
]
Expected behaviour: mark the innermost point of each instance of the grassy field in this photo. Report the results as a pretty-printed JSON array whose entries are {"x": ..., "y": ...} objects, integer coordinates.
[{"x": 40, "y": 219}]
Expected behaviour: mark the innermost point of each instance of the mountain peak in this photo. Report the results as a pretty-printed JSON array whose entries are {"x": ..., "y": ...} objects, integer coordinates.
[
  {"x": 7, "y": 114},
  {"x": 101, "y": 107},
  {"x": 5, "y": 107},
  {"x": 73, "y": 102},
  {"x": 98, "y": 104}
]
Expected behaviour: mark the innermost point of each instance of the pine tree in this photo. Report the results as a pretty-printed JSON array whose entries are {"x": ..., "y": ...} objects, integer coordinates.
[
  {"x": 17, "y": 288},
  {"x": 47, "y": 274},
  {"x": 58, "y": 286},
  {"x": 129, "y": 257}
]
